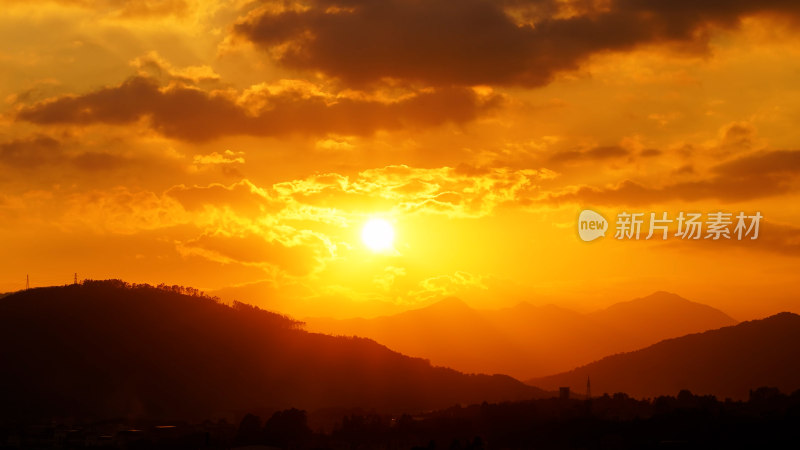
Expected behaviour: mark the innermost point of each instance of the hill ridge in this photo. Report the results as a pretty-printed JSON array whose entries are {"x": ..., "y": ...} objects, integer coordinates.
[
  {"x": 726, "y": 362},
  {"x": 550, "y": 338},
  {"x": 147, "y": 352}
]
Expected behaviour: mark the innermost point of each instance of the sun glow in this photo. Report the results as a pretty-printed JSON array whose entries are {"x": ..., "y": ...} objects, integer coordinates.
[{"x": 378, "y": 235}]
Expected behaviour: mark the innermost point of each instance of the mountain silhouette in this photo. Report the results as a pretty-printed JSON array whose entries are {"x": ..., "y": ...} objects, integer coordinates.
[
  {"x": 107, "y": 349},
  {"x": 727, "y": 362},
  {"x": 660, "y": 315},
  {"x": 527, "y": 340}
]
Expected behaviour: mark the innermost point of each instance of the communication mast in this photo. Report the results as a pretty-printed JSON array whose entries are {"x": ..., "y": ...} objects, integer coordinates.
[
  {"x": 76, "y": 278},
  {"x": 588, "y": 389},
  {"x": 27, "y": 282}
]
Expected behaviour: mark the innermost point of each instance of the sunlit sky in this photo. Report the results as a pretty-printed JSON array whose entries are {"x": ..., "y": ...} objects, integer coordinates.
[{"x": 240, "y": 147}]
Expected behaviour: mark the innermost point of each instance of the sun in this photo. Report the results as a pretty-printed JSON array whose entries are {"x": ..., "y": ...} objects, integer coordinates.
[{"x": 378, "y": 235}]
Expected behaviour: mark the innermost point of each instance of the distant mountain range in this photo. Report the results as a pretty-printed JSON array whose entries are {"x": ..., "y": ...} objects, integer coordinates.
[
  {"x": 106, "y": 349},
  {"x": 727, "y": 362},
  {"x": 526, "y": 340}
]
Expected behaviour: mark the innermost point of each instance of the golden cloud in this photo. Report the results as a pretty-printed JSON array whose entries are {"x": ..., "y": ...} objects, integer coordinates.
[
  {"x": 455, "y": 192},
  {"x": 295, "y": 252},
  {"x": 449, "y": 285}
]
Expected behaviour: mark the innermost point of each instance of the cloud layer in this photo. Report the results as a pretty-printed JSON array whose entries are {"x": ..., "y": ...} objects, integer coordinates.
[
  {"x": 758, "y": 175},
  {"x": 474, "y": 42},
  {"x": 191, "y": 114}
]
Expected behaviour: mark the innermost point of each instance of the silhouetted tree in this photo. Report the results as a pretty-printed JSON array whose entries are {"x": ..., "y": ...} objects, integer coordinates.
[
  {"x": 249, "y": 432},
  {"x": 287, "y": 428}
]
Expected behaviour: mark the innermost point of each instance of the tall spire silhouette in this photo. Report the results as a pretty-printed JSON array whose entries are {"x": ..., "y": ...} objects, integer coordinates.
[
  {"x": 588, "y": 388},
  {"x": 27, "y": 282}
]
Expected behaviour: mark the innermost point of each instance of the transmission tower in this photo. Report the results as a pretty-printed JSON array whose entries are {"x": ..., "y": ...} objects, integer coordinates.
[{"x": 588, "y": 388}]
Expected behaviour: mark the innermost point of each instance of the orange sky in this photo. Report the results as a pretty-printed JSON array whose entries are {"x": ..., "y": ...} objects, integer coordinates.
[{"x": 241, "y": 146}]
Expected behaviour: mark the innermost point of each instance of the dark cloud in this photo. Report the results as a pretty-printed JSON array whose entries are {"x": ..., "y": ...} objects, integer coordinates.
[
  {"x": 38, "y": 151},
  {"x": 471, "y": 42},
  {"x": 685, "y": 169},
  {"x": 778, "y": 238},
  {"x": 196, "y": 115},
  {"x": 650, "y": 152},
  {"x": 766, "y": 163},
  {"x": 98, "y": 161},
  {"x": 763, "y": 174},
  {"x": 30, "y": 153},
  {"x": 593, "y": 154}
]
